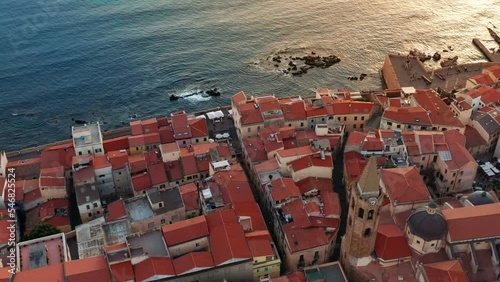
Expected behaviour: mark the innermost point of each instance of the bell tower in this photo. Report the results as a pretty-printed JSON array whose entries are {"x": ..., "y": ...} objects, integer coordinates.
[{"x": 362, "y": 218}]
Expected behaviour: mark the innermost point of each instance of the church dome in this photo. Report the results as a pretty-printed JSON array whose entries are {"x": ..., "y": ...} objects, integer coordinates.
[
  {"x": 427, "y": 223},
  {"x": 480, "y": 198}
]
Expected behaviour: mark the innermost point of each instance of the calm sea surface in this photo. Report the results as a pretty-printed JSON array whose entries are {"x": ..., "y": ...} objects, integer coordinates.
[{"x": 107, "y": 59}]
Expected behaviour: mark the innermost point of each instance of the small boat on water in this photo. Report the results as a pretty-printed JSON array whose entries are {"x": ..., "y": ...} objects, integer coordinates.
[{"x": 209, "y": 93}]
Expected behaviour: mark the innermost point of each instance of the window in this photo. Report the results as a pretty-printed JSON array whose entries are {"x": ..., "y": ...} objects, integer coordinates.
[
  {"x": 197, "y": 244},
  {"x": 90, "y": 214},
  {"x": 389, "y": 123},
  {"x": 362, "y": 118},
  {"x": 361, "y": 213},
  {"x": 160, "y": 205},
  {"x": 460, "y": 180},
  {"x": 89, "y": 152},
  {"x": 301, "y": 124},
  {"x": 361, "y": 126},
  {"x": 98, "y": 212},
  {"x": 119, "y": 173},
  {"x": 354, "y": 126},
  {"x": 95, "y": 205},
  {"x": 88, "y": 207},
  {"x": 79, "y": 153},
  {"x": 345, "y": 118},
  {"x": 368, "y": 231},
  {"x": 249, "y": 129},
  {"x": 370, "y": 214},
  {"x": 184, "y": 142},
  {"x": 399, "y": 126},
  {"x": 205, "y": 139},
  {"x": 101, "y": 176},
  {"x": 350, "y": 221},
  {"x": 355, "y": 118},
  {"x": 434, "y": 159},
  {"x": 162, "y": 221},
  {"x": 418, "y": 242}
]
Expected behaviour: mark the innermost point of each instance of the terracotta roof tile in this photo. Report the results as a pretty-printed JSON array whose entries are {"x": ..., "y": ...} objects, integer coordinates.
[
  {"x": 166, "y": 135},
  {"x": 439, "y": 112},
  {"x": 198, "y": 127},
  {"x": 309, "y": 161},
  {"x": 116, "y": 144},
  {"x": 174, "y": 171},
  {"x": 251, "y": 209},
  {"x": 154, "y": 267},
  {"x": 193, "y": 261},
  {"x": 467, "y": 223},
  {"x": 118, "y": 159},
  {"x": 405, "y": 185},
  {"x": 304, "y": 150},
  {"x": 52, "y": 182},
  {"x": 93, "y": 269},
  {"x": 227, "y": 240},
  {"x": 180, "y": 125},
  {"x": 482, "y": 79},
  {"x": 157, "y": 173},
  {"x": 391, "y": 243},
  {"x": 260, "y": 247},
  {"x": 122, "y": 271},
  {"x": 239, "y": 98},
  {"x": 255, "y": 149},
  {"x": 137, "y": 163},
  {"x": 58, "y": 156},
  {"x": 185, "y": 230},
  {"x": 116, "y": 210},
  {"x": 189, "y": 165},
  {"x": 356, "y": 138},
  {"x": 445, "y": 271},
  {"x": 189, "y": 194},
  {"x": 284, "y": 188},
  {"x": 141, "y": 182},
  {"x": 51, "y": 273},
  {"x": 294, "y": 110},
  {"x": 250, "y": 114}
]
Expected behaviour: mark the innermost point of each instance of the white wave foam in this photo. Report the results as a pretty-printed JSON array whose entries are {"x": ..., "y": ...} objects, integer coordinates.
[{"x": 198, "y": 98}]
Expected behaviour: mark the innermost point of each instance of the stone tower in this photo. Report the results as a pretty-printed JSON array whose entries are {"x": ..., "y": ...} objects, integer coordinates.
[{"x": 362, "y": 218}]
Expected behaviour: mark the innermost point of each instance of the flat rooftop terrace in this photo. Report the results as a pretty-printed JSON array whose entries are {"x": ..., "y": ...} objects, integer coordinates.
[
  {"x": 404, "y": 71},
  {"x": 150, "y": 244},
  {"x": 139, "y": 209}
]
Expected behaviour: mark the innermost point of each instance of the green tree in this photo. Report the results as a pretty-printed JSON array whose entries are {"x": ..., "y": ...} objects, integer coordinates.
[{"x": 40, "y": 231}]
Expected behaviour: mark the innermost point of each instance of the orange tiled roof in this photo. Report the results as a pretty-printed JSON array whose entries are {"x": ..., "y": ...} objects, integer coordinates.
[
  {"x": 93, "y": 269},
  {"x": 391, "y": 243},
  {"x": 116, "y": 210},
  {"x": 284, "y": 188},
  {"x": 310, "y": 161},
  {"x": 467, "y": 223},
  {"x": 405, "y": 185},
  {"x": 445, "y": 271},
  {"x": 193, "y": 260},
  {"x": 482, "y": 79},
  {"x": 152, "y": 267},
  {"x": 122, "y": 271},
  {"x": 186, "y": 230},
  {"x": 227, "y": 241}
]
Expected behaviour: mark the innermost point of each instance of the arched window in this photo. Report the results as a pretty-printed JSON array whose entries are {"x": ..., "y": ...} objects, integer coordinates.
[
  {"x": 370, "y": 214},
  {"x": 368, "y": 231},
  {"x": 361, "y": 213}
]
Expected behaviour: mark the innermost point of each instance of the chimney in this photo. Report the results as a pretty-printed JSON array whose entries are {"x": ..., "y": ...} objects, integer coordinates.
[{"x": 431, "y": 208}]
